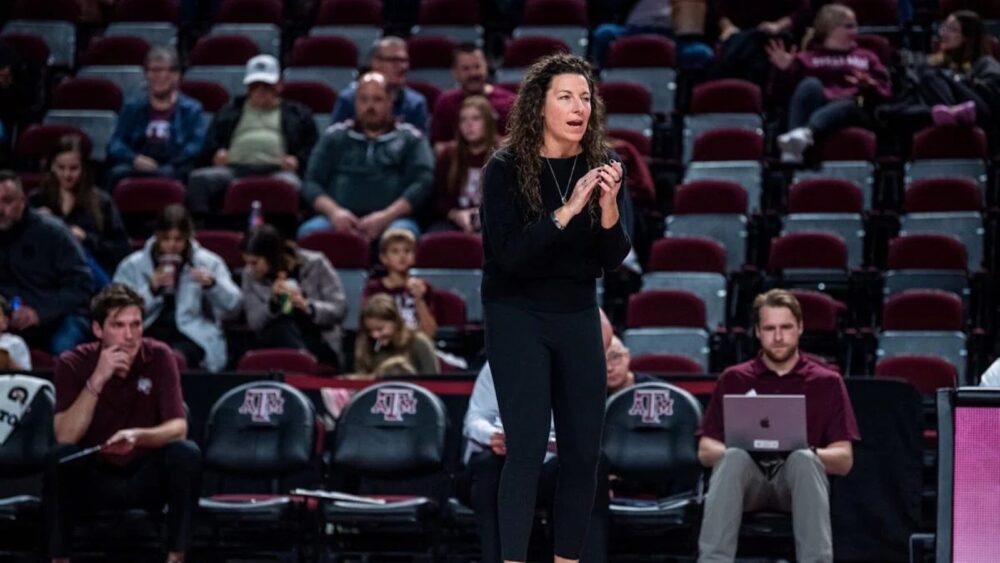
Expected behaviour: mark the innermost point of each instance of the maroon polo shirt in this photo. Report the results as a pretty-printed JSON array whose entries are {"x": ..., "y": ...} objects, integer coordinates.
[
  {"x": 829, "y": 415},
  {"x": 444, "y": 122},
  {"x": 149, "y": 395}
]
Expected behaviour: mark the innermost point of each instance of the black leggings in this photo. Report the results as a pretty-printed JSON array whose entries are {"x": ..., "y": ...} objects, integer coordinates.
[{"x": 546, "y": 363}]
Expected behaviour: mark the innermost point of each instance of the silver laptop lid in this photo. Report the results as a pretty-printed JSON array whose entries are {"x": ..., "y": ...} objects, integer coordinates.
[{"x": 765, "y": 423}]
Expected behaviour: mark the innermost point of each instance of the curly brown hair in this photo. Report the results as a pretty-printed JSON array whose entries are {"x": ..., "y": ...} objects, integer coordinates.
[{"x": 525, "y": 127}]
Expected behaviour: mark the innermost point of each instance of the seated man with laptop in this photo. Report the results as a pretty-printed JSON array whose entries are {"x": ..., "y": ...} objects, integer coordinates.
[{"x": 774, "y": 428}]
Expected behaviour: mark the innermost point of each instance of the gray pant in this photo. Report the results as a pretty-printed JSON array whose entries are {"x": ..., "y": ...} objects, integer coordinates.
[
  {"x": 207, "y": 187},
  {"x": 738, "y": 485}
]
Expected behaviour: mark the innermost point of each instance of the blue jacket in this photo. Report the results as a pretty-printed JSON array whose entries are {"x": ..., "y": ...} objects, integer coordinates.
[{"x": 187, "y": 133}]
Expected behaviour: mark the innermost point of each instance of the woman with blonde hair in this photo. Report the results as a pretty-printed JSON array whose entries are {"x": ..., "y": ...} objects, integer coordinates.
[
  {"x": 458, "y": 171},
  {"x": 384, "y": 337},
  {"x": 836, "y": 83}
]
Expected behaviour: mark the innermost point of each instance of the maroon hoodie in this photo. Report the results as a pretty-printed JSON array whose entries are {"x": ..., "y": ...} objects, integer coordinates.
[{"x": 833, "y": 68}]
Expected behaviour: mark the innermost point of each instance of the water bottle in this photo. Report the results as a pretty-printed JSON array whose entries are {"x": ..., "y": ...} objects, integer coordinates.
[{"x": 256, "y": 214}]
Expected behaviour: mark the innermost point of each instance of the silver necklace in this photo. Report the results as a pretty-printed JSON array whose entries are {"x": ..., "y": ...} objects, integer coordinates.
[{"x": 563, "y": 193}]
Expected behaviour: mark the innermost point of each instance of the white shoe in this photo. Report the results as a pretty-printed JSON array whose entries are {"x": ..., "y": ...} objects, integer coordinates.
[{"x": 794, "y": 143}]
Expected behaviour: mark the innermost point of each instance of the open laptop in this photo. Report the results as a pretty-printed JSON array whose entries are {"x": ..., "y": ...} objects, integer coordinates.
[{"x": 765, "y": 423}]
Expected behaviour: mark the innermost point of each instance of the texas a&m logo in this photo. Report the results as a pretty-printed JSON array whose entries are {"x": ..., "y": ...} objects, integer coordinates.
[
  {"x": 393, "y": 403},
  {"x": 651, "y": 404},
  {"x": 261, "y": 403}
]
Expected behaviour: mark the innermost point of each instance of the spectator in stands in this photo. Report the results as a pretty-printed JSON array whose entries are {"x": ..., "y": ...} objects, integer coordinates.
[
  {"x": 384, "y": 335},
  {"x": 260, "y": 134},
  {"x": 187, "y": 290},
  {"x": 472, "y": 73},
  {"x": 620, "y": 376},
  {"x": 122, "y": 392},
  {"x": 161, "y": 132},
  {"x": 745, "y": 28},
  {"x": 21, "y": 102},
  {"x": 457, "y": 172},
  {"x": 43, "y": 269},
  {"x": 414, "y": 297},
  {"x": 13, "y": 347},
  {"x": 388, "y": 57},
  {"x": 293, "y": 298},
  {"x": 91, "y": 215},
  {"x": 685, "y": 18},
  {"x": 368, "y": 174},
  {"x": 991, "y": 377},
  {"x": 960, "y": 84},
  {"x": 836, "y": 83},
  {"x": 795, "y": 482},
  {"x": 485, "y": 454}
]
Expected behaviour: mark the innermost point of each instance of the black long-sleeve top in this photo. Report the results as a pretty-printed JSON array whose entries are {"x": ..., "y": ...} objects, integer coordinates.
[{"x": 533, "y": 264}]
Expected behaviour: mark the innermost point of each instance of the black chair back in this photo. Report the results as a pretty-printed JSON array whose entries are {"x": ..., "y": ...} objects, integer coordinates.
[
  {"x": 24, "y": 451},
  {"x": 260, "y": 427},
  {"x": 649, "y": 436},
  {"x": 391, "y": 429}
]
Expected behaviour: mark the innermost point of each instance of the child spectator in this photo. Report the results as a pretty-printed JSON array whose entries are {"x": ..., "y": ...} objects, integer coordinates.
[
  {"x": 187, "y": 290},
  {"x": 90, "y": 214},
  {"x": 413, "y": 297},
  {"x": 14, "y": 354},
  {"x": 293, "y": 298},
  {"x": 837, "y": 84},
  {"x": 384, "y": 337},
  {"x": 457, "y": 186}
]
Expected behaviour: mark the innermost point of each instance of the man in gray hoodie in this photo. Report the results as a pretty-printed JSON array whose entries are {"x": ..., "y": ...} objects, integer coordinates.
[{"x": 371, "y": 173}]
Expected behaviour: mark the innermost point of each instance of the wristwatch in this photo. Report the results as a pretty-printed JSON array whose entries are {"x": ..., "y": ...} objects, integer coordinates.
[{"x": 555, "y": 220}]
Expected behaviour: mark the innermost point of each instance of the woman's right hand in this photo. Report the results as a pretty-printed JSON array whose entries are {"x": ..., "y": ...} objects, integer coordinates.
[
  {"x": 779, "y": 55},
  {"x": 580, "y": 197},
  {"x": 278, "y": 288}
]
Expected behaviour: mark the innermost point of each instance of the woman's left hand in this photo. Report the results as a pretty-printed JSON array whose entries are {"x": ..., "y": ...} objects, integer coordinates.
[
  {"x": 610, "y": 183},
  {"x": 78, "y": 232}
]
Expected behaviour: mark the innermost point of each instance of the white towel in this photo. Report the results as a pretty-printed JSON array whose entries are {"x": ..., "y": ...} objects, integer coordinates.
[{"x": 16, "y": 393}]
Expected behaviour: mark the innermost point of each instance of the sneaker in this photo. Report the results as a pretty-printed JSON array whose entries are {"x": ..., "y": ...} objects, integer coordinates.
[{"x": 794, "y": 143}]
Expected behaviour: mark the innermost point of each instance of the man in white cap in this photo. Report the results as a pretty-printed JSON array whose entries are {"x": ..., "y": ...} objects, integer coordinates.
[{"x": 259, "y": 134}]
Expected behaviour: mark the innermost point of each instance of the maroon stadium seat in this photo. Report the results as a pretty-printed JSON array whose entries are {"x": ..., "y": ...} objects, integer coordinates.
[
  {"x": 642, "y": 51},
  {"x": 825, "y": 195},
  {"x": 666, "y": 364},
  {"x": 728, "y": 144},
  {"x": 430, "y": 51},
  {"x": 87, "y": 93},
  {"x": 212, "y": 96},
  {"x": 625, "y": 97},
  {"x": 316, "y": 96},
  {"x": 250, "y": 11},
  {"x": 448, "y": 12},
  {"x": 665, "y": 308},
  {"x": 449, "y": 308},
  {"x": 555, "y": 12},
  {"x": 288, "y": 360},
  {"x": 927, "y": 252},
  {"x": 926, "y": 373},
  {"x": 687, "y": 254},
  {"x": 350, "y": 12},
  {"x": 274, "y": 195},
  {"x": 63, "y": 10},
  {"x": 638, "y": 139},
  {"x": 814, "y": 250},
  {"x": 819, "y": 310},
  {"x": 710, "y": 196},
  {"x": 31, "y": 48},
  {"x": 116, "y": 51},
  {"x": 146, "y": 11},
  {"x": 219, "y": 50},
  {"x": 988, "y": 9},
  {"x": 453, "y": 250},
  {"x": 147, "y": 196},
  {"x": 949, "y": 141},
  {"x": 874, "y": 12},
  {"x": 849, "y": 143},
  {"x": 38, "y": 140},
  {"x": 923, "y": 309},
  {"x": 324, "y": 50},
  {"x": 523, "y": 51},
  {"x": 943, "y": 194},
  {"x": 344, "y": 250},
  {"x": 227, "y": 244},
  {"x": 729, "y": 95}
]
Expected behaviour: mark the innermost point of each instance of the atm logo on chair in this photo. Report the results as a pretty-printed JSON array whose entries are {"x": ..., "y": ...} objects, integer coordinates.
[
  {"x": 651, "y": 404},
  {"x": 392, "y": 404},
  {"x": 260, "y": 404}
]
